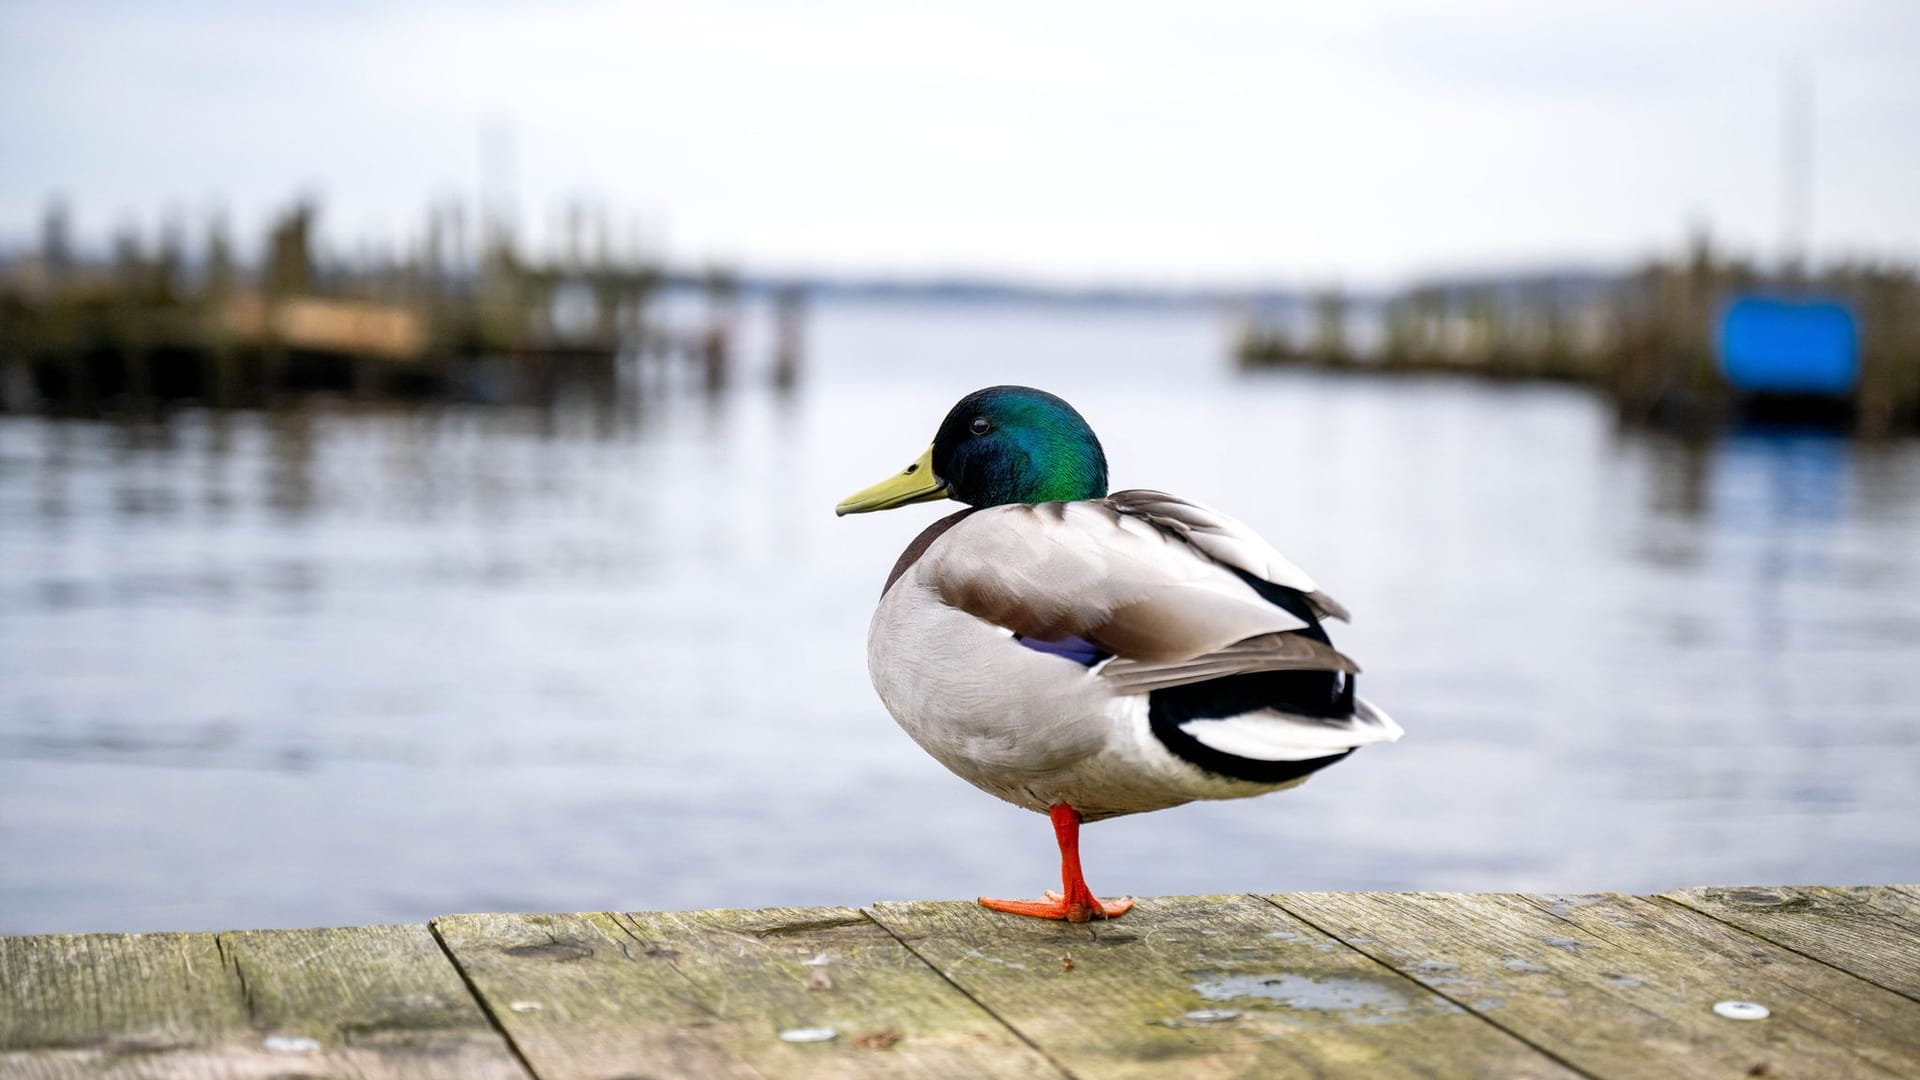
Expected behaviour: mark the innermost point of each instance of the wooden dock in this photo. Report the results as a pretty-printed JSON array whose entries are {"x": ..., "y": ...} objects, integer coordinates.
[{"x": 1741, "y": 982}]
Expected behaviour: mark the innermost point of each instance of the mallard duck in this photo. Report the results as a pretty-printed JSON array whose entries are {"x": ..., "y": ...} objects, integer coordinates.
[{"x": 1087, "y": 655}]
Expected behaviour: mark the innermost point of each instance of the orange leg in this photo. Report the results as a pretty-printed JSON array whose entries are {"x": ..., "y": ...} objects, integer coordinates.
[{"x": 1074, "y": 902}]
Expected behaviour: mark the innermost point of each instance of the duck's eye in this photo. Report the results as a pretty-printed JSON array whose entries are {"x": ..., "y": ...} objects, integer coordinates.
[{"x": 981, "y": 425}]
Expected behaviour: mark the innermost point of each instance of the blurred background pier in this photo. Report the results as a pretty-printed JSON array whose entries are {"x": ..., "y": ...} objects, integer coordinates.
[
  {"x": 457, "y": 316},
  {"x": 1674, "y": 342},
  {"x": 1687, "y": 342}
]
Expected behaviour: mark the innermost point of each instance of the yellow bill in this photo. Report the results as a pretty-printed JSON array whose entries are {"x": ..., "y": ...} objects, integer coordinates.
[{"x": 915, "y": 483}]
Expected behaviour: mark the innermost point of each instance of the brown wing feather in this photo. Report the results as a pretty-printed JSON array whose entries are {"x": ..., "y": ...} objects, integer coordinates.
[
  {"x": 1225, "y": 540},
  {"x": 1272, "y": 652},
  {"x": 1056, "y": 570},
  {"x": 1170, "y": 612}
]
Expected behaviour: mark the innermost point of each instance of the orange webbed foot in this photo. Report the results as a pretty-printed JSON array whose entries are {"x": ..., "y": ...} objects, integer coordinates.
[
  {"x": 1058, "y": 907},
  {"x": 1076, "y": 903}
]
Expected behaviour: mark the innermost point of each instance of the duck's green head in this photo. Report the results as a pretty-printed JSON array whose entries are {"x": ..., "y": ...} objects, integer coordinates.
[{"x": 1004, "y": 444}]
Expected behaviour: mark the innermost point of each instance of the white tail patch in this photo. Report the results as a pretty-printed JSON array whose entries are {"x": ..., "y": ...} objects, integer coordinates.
[{"x": 1276, "y": 736}]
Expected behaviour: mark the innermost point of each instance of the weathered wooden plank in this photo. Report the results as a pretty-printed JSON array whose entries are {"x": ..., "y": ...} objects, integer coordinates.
[
  {"x": 107, "y": 1004},
  {"x": 371, "y": 1002},
  {"x": 709, "y": 994},
  {"x": 1204, "y": 987},
  {"x": 1625, "y": 987},
  {"x": 380, "y": 1001},
  {"x": 1871, "y": 931}
]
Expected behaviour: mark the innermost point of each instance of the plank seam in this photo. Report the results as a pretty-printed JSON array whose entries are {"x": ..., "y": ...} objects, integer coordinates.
[
  {"x": 962, "y": 991},
  {"x": 1750, "y": 931},
  {"x": 1539, "y": 903},
  {"x": 625, "y": 923},
  {"x": 486, "y": 1010},
  {"x": 232, "y": 962},
  {"x": 1442, "y": 994}
]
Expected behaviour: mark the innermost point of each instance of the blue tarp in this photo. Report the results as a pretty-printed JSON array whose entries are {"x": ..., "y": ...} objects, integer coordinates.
[{"x": 1770, "y": 345}]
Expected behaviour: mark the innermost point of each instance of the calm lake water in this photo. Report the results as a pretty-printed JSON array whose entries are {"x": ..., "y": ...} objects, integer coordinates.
[{"x": 341, "y": 666}]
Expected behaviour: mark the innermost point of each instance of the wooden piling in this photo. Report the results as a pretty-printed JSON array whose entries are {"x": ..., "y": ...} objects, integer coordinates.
[{"x": 789, "y": 334}]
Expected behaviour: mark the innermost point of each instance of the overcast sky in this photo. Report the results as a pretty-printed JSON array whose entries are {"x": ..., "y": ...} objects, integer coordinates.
[{"x": 1153, "y": 143}]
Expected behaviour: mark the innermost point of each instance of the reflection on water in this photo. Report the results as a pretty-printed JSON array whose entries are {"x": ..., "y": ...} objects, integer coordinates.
[{"x": 333, "y": 666}]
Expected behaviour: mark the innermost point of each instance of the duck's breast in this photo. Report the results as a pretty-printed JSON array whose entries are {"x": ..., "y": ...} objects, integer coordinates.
[{"x": 993, "y": 711}]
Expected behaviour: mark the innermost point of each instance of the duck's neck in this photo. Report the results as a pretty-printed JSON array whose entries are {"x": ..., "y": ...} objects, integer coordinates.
[
  {"x": 1041, "y": 466},
  {"x": 1053, "y": 486}
]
